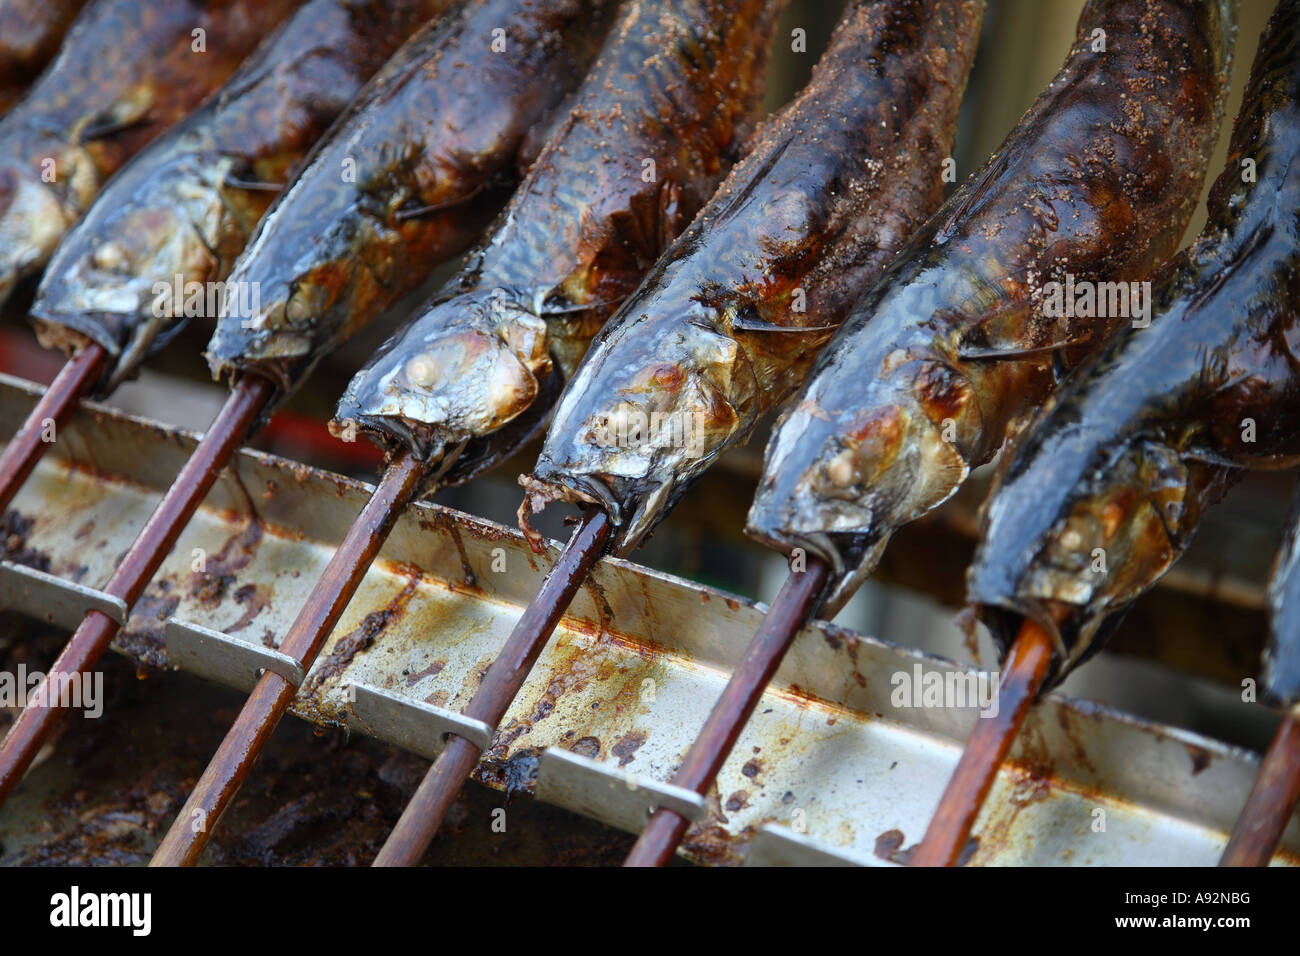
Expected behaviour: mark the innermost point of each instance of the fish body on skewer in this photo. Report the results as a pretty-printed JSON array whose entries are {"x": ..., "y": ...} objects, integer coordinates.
[
  {"x": 407, "y": 178},
  {"x": 730, "y": 320},
  {"x": 127, "y": 70},
  {"x": 1096, "y": 183},
  {"x": 649, "y": 135},
  {"x": 183, "y": 209},
  {"x": 1106, "y": 489},
  {"x": 30, "y": 34}
]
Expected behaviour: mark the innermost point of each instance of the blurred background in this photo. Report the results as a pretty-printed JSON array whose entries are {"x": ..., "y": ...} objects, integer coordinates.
[{"x": 1182, "y": 654}]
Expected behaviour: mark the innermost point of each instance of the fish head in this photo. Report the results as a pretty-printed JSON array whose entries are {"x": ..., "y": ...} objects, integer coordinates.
[
  {"x": 466, "y": 368},
  {"x": 651, "y": 409},
  {"x": 843, "y": 471},
  {"x": 1080, "y": 522},
  {"x": 33, "y": 218},
  {"x": 131, "y": 273},
  {"x": 301, "y": 292}
]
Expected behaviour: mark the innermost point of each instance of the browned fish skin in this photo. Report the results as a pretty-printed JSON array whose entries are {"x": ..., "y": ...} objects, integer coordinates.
[
  {"x": 1126, "y": 457},
  {"x": 1096, "y": 182},
  {"x": 650, "y": 134},
  {"x": 187, "y": 204},
  {"x": 431, "y": 146},
  {"x": 127, "y": 71},
  {"x": 30, "y": 34},
  {"x": 729, "y": 322}
]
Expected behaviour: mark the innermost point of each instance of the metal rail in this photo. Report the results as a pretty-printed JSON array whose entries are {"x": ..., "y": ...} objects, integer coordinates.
[{"x": 629, "y": 677}]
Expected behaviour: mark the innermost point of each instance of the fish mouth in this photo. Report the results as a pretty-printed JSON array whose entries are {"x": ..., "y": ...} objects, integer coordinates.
[
  {"x": 280, "y": 355},
  {"x": 454, "y": 455},
  {"x": 1076, "y": 635},
  {"x": 1072, "y": 548},
  {"x": 851, "y": 556},
  {"x": 105, "y": 291},
  {"x": 547, "y": 486}
]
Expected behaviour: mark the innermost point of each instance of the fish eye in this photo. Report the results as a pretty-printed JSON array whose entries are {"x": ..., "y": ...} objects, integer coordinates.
[{"x": 420, "y": 372}]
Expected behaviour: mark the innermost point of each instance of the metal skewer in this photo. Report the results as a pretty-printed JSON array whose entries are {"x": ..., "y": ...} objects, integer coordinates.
[
  {"x": 271, "y": 697},
  {"x": 796, "y": 603},
  {"x": 501, "y": 684},
  {"x": 1026, "y": 670},
  {"x": 28, "y": 444},
  {"x": 243, "y": 407},
  {"x": 1272, "y": 799}
]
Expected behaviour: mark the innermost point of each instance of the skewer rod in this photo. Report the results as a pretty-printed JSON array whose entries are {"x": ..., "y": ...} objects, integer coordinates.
[
  {"x": 229, "y": 429},
  {"x": 988, "y": 745},
  {"x": 797, "y": 601},
  {"x": 501, "y": 684},
  {"x": 229, "y": 767},
  {"x": 1272, "y": 799},
  {"x": 28, "y": 444}
]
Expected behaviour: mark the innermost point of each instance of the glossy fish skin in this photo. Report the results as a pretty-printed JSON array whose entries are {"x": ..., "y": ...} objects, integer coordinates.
[
  {"x": 714, "y": 338},
  {"x": 430, "y": 146},
  {"x": 1098, "y": 181},
  {"x": 187, "y": 204},
  {"x": 126, "y": 72},
  {"x": 1282, "y": 655},
  {"x": 678, "y": 83},
  {"x": 1131, "y": 451},
  {"x": 30, "y": 33}
]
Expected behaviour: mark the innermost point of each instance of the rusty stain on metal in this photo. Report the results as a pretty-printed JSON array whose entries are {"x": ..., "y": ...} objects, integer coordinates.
[{"x": 830, "y": 743}]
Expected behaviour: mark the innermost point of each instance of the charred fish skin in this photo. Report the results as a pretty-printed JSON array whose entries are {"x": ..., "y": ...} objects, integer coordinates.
[
  {"x": 1109, "y": 484},
  {"x": 648, "y": 137},
  {"x": 186, "y": 205},
  {"x": 730, "y": 320},
  {"x": 127, "y": 71},
  {"x": 30, "y": 34},
  {"x": 408, "y": 177},
  {"x": 1096, "y": 183}
]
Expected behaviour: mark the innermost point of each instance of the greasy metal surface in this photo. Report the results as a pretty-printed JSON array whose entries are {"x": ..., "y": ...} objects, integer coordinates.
[
  {"x": 413, "y": 724},
  {"x": 775, "y": 845},
  {"x": 225, "y": 659},
  {"x": 629, "y": 676},
  {"x": 50, "y": 598},
  {"x": 599, "y": 789}
]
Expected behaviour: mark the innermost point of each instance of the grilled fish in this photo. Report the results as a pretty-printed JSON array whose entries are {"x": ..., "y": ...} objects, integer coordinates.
[
  {"x": 164, "y": 234},
  {"x": 30, "y": 34},
  {"x": 730, "y": 320},
  {"x": 649, "y": 136},
  {"x": 1106, "y": 489},
  {"x": 957, "y": 339},
  {"x": 409, "y": 177},
  {"x": 127, "y": 71}
]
